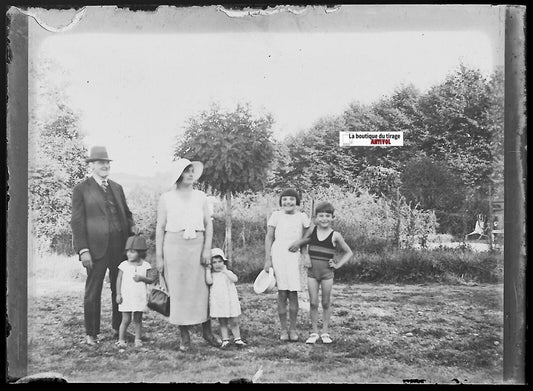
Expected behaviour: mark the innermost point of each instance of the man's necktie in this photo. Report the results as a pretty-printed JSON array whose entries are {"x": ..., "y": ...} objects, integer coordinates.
[{"x": 104, "y": 185}]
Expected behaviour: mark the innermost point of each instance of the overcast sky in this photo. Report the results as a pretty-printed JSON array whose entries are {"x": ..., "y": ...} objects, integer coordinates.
[{"x": 135, "y": 77}]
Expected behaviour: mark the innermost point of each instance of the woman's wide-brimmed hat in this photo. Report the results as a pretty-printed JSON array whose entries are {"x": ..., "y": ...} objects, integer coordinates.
[
  {"x": 182, "y": 164},
  {"x": 265, "y": 282},
  {"x": 136, "y": 242},
  {"x": 97, "y": 153}
]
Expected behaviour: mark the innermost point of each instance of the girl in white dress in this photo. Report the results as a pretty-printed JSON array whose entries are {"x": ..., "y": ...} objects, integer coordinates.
[
  {"x": 133, "y": 275},
  {"x": 223, "y": 298},
  {"x": 284, "y": 228}
]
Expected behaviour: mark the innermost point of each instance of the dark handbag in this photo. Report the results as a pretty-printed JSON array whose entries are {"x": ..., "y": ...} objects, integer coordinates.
[{"x": 159, "y": 299}]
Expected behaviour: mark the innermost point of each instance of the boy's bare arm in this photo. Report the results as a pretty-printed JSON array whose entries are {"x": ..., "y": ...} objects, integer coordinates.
[
  {"x": 345, "y": 249},
  {"x": 301, "y": 244}
]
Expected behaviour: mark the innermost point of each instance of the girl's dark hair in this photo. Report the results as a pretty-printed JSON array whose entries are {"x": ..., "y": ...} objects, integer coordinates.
[
  {"x": 142, "y": 253},
  {"x": 178, "y": 181},
  {"x": 225, "y": 261},
  {"x": 290, "y": 193},
  {"x": 324, "y": 207}
]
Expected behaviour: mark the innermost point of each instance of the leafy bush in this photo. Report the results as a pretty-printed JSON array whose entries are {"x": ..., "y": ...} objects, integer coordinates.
[
  {"x": 143, "y": 206},
  {"x": 367, "y": 222},
  {"x": 250, "y": 212},
  {"x": 398, "y": 266},
  {"x": 50, "y": 184},
  {"x": 56, "y": 158},
  {"x": 416, "y": 266},
  {"x": 378, "y": 222}
]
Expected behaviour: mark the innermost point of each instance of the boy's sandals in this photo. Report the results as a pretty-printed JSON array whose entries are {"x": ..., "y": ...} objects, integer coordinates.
[
  {"x": 239, "y": 342},
  {"x": 284, "y": 336},
  {"x": 138, "y": 343},
  {"x": 224, "y": 344},
  {"x": 326, "y": 338},
  {"x": 121, "y": 344},
  {"x": 313, "y": 337}
]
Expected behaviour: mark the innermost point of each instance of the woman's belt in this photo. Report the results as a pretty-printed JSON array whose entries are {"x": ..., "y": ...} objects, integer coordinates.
[{"x": 188, "y": 233}]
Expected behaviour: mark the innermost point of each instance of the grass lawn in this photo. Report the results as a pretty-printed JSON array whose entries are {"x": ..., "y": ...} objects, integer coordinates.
[{"x": 383, "y": 333}]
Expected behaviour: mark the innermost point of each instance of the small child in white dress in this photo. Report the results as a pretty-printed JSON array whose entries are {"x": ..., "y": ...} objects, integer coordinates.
[
  {"x": 133, "y": 275},
  {"x": 223, "y": 298}
]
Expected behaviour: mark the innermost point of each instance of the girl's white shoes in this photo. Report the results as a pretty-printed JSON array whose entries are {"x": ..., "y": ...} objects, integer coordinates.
[
  {"x": 313, "y": 337},
  {"x": 122, "y": 344},
  {"x": 326, "y": 338},
  {"x": 224, "y": 344},
  {"x": 237, "y": 341}
]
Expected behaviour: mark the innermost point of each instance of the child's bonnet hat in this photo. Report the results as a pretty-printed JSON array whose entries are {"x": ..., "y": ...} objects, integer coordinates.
[
  {"x": 217, "y": 252},
  {"x": 136, "y": 242}
]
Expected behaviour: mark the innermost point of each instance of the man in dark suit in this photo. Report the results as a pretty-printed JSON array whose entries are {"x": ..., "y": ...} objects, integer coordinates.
[{"x": 101, "y": 223}]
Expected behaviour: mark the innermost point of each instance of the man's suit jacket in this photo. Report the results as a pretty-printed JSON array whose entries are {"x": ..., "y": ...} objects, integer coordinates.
[{"x": 89, "y": 222}]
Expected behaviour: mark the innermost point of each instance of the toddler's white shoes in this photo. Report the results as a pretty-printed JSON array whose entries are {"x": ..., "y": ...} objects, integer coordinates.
[{"x": 313, "y": 337}]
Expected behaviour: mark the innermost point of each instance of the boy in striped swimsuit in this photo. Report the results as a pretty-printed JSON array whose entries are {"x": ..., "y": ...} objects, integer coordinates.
[{"x": 322, "y": 245}]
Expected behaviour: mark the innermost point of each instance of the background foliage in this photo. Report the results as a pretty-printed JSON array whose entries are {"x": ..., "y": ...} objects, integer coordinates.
[
  {"x": 454, "y": 130},
  {"x": 56, "y": 162},
  {"x": 236, "y": 149},
  {"x": 393, "y": 197}
]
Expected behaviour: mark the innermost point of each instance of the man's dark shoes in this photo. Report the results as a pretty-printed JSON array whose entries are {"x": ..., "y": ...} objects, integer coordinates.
[
  {"x": 91, "y": 340},
  {"x": 185, "y": 347},
  {"x": 212, "y": 340}
]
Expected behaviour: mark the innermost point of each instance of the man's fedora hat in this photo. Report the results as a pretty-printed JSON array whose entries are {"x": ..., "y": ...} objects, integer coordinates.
[
  {"x": 136, "y": 242},
  {"x": 182, "y": 164},
  {"x": 98, "y": 153}
]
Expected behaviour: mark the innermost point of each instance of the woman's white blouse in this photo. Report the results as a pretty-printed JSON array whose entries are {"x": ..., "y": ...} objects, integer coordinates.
[{"x": 183, "y": 212}]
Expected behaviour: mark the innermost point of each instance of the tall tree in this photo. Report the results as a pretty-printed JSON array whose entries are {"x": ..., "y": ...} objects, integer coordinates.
[
  {"x": 495, "y": 125},
  {"x": 316, "y": 159},
  {"x": 463, "y": 123},
  {"x": 433, "y": 186},
  {"x": 56, "y": 151},
  {"x": 236, "y": 148},
  {"x": 458, "y": 125}
]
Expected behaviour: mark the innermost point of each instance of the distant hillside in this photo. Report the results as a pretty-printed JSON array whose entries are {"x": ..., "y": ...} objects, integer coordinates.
[{"x": 161, "y": 180}]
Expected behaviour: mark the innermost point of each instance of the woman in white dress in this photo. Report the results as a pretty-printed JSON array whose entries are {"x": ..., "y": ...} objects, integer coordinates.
[{"x": 184, "y": 233}]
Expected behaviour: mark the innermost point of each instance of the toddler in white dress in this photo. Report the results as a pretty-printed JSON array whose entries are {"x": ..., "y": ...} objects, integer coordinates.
[
  {"x": 223, "y": 298},
  {"x": 133, "y": 275}
]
